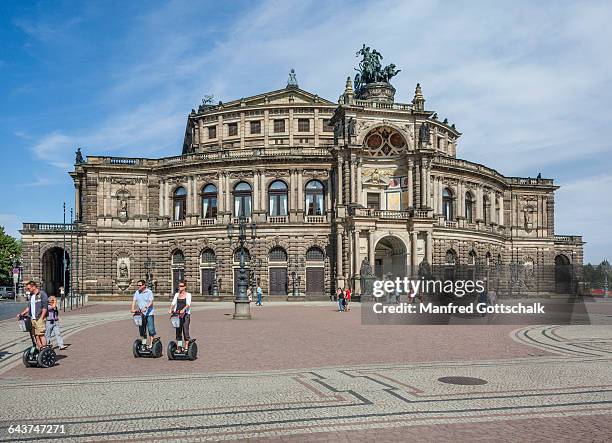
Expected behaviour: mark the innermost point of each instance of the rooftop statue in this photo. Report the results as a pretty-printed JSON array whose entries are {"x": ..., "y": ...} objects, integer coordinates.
[
  {"x": 371, "y": 70},
  {"x": 292, "y": 82}
]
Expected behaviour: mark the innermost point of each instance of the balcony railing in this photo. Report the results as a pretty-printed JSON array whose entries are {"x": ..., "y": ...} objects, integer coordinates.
[
  {"x": 48, "y": 227},
  {"x": 177, "y": 223},
  {"x": 277, "y": 219},
  {"x": 237, "y": 220},
  {"x": 380, "y": 105},
  {"x": 568, "y": 239},
  {"x": 207, "y": 221},
  {"x": 450, "y": 224},
  {"x": 315, "y": 219}
]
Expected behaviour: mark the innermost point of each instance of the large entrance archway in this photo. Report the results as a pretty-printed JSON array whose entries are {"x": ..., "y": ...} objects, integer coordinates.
[
  {"x": 390, "y": 258},
  {"x": 52, "y": 271},
  {"x": 563, "y": 275}
]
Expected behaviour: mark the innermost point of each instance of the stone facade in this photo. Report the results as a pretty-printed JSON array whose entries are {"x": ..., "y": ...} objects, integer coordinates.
[{"x": 327, "y": 185}]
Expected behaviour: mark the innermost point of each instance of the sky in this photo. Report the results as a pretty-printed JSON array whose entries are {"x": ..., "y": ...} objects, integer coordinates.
[{"x": 529, "y": 84}]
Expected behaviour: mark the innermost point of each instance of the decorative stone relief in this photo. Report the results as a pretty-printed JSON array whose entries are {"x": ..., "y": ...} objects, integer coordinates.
[{"x": 123, "y": 273}]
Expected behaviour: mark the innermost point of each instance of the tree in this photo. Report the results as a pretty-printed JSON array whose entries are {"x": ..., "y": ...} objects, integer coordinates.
[{"x": 10, "y": 248}]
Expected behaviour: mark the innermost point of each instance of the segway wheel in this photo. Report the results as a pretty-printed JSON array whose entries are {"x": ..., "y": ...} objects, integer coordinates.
[
  {"x": 135, "y": 348},
  {"x": 26, "y": 358},
  {"x": 171, "y": 350},
  {"x": 46, "y": 357},
  {"x": 192, "y": 352},
  {"x": 157, "y": 349}
]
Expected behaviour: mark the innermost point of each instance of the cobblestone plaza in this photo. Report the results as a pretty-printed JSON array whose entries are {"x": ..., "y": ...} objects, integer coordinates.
[{"x": 290, "y": 378}]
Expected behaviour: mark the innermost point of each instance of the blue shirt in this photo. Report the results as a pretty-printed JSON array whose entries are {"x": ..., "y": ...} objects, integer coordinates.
[{"x": 143, "y": 298}]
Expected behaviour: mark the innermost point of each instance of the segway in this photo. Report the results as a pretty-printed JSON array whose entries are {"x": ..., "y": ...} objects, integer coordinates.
[
  {"x": 140, "y": 347},
  {"x": 34, "y": 357},
  {"x": 176, "y": 351}
]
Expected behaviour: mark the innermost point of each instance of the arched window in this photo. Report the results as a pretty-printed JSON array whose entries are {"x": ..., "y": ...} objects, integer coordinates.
[
  {"x": 451, "y": 257},
  {"x": 314, "y": 198},
  {"x": 447, "y": 204},
  {"x": 469, "y": 207},
  {"x": 242, "y": 200},
  {"x": 486, "y": 209},
  {"x": 209, "y": 201},
  {"x": 278, "y": 254},
  {"x": 179, "y": 203},
  {"x": 208, "y": 256},
  {"x": 472, "y": 258},
  {"x": 315, "y": 254},
  {"x": 277, "y": 198}
]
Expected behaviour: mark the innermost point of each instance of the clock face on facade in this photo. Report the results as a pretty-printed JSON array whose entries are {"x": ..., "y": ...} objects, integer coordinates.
[{"x": 384, "y": 142}]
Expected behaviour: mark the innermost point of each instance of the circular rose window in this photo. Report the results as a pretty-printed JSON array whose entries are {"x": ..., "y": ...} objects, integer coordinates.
[
  {"x": 384, "y": 141},
  {"x": 375, "y": 141}
]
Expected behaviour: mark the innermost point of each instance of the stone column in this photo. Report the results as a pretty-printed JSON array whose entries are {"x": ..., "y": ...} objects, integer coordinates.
[
  {"x": 168, "y": 200},
  {"x": 501, "y": 210},
  {"x": 300, "y": 191},
  {"x": 492, "y": 201},
  {"x": 201, "y": 130},
  {"x": 316, "y": 127},
  {"x": 221, "y": 193},
  {"x": 359, "y": 185},
  {"x": 189, "y": 199},
  {"x": 351, "y": 183},
  {"x": 460, "y": 199},
  {"x": 413, "y": 253},
  {"x": 105, "y": 194},
  {"x": 161, "y": 197},
  {"x": 429, "y": 248},
  {"x": 256, "y": 191},
  {"x": 292, "y": 193},
  {"x": 410, "y": 183},
  {"x": 423, "y": 184},
  {"x": 340, "y": 181},
  {"x": 356, "y": 257},
  {"x": 371, "y": 246},
  {"x": 262, "y": 196},
  {"x": 544, "y": 212},
  {"x": 338, "y": 256},
  {"x": 479, "y": 203},
  {"x": 228, "y": 192}
]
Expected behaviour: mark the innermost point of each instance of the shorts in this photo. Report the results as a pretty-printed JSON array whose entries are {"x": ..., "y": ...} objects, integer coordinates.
[{"x": 38, "y": 327}]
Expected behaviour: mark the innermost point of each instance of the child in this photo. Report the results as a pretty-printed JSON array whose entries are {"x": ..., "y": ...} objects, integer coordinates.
[{"x": 53, "y": 323}]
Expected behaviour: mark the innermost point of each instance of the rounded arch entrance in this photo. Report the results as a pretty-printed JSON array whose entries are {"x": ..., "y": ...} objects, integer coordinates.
[
  {"x": 390, "y": 257},
  {"x": 54, "y": 274},
  {"x": 563, "y": 274}
]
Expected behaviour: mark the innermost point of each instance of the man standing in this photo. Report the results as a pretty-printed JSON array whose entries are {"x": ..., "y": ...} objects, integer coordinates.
[
  {"x": 259, "y": 294},
  {"x": 37, "y": 309},
  {"x": 143, "y": 298}
]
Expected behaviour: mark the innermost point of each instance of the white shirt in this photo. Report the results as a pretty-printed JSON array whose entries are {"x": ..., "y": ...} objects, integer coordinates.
[{"x": 187, "y": 300}]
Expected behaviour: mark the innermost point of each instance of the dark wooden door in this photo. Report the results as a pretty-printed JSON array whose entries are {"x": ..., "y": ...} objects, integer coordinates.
[
  {"x": 315, "y": 281},
  {"x": 278, "y": 281},
  {"x": 208, "y": 276}
]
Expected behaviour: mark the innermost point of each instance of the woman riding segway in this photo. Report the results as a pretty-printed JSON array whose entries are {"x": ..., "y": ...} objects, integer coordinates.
[{"x": 180, "y": 317}]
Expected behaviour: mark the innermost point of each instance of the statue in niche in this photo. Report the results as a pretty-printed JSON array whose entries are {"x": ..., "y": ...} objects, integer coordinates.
[
  {"x": 528, "y": 217},
  {"x": 123, "y": 273},
  {"x": 424, "y": 134},
  {"x": 122, "y": 209},
  {"x": 367, "y": 278}
]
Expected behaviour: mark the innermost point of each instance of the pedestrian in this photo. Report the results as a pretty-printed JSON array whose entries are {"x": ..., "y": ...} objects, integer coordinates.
[
  {"x": 250, "y": 295},
  {"x": 52, "y": 325},
  {"x": 397, "y": 295},
  {"x": 340, "y": 299},
  {"x": 37, "y": 310},
  {"x": 259, "y": 295},
  {"x": 347, "y": 299},
  {"x": 143, "y": 298},
  {"x": 181, "y": 305}
]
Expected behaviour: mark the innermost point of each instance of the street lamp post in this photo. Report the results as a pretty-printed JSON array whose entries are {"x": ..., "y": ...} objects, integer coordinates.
[{"x": 242, "y": 307}]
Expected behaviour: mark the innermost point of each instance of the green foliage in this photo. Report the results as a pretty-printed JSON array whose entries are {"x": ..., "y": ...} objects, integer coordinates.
[
  {"x": 10, "y": 248},
  {"x": 594, "y": 276}
]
